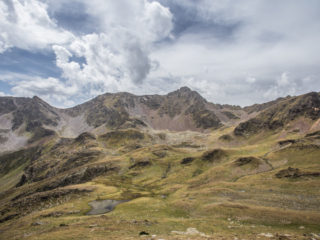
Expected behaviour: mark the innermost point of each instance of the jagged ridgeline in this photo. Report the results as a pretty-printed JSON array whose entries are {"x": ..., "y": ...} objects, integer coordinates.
[
  {"x": 175, "y": 166},
  {"x": 27, "y": 120}
]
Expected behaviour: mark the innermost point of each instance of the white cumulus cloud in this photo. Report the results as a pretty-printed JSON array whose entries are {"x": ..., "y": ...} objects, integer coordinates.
[
  {"x": 236, "y": 52},
  {"x": 116, "y": 58},
  {"x": 50, "y": 89},
  {"x": 25, "y": 24},
  {"x": 233, "y": 38}
]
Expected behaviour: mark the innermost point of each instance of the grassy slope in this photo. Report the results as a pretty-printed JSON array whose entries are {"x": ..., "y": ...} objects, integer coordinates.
[{"x": 219, "y": 198}]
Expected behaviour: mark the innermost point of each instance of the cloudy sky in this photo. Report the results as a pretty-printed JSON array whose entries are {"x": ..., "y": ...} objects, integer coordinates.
[{"x": 230, "y": 51}]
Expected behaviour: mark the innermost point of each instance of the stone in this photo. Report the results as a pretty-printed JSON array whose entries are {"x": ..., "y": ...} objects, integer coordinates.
[
  {"x": 37, "y": 223},
  {"x": 268, "y": 235},
  {"x": 142, "y": 233}
]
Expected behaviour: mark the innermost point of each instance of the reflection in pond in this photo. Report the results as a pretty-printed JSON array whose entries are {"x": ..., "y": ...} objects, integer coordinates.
[{"x": 103, "y": 206}]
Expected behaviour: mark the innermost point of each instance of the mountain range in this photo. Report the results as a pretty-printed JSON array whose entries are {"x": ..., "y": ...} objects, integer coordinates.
[
  {"x": 27, "y": 120},
  {"x": 179, "y": 167}
]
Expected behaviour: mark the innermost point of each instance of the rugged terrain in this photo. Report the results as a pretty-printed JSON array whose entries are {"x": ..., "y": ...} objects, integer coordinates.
[{"x": 181, "y": 168}]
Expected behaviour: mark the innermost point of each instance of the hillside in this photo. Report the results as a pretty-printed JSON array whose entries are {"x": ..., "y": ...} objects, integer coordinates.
[
  {"x": 284, "y": 113},
  {"x": 24, "y": 120},
  {"x": 170, "y": 166}
]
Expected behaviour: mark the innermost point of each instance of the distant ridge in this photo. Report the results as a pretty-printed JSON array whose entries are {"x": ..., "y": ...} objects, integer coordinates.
[{"x": 27, "y": 120}]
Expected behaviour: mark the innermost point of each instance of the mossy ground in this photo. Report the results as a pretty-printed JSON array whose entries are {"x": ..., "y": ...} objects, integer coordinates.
[{"x": 220, "y": 199}]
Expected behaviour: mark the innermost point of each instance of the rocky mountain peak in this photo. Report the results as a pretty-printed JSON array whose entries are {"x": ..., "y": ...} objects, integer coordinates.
[
  {"x": 187, "y": 93},
  {"x": 185, "y": 89},
  {"x": 36, "y": 98}
]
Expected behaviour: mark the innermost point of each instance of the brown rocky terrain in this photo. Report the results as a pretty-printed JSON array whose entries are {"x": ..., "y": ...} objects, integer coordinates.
[
  {"x": 24, "y": 121},
  {"x": 27, "y": 120},
  {"x": 278, "y": 114}
]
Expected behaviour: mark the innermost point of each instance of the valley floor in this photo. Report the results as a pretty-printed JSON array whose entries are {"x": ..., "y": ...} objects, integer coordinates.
[{"x": 194, "y": 186}]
